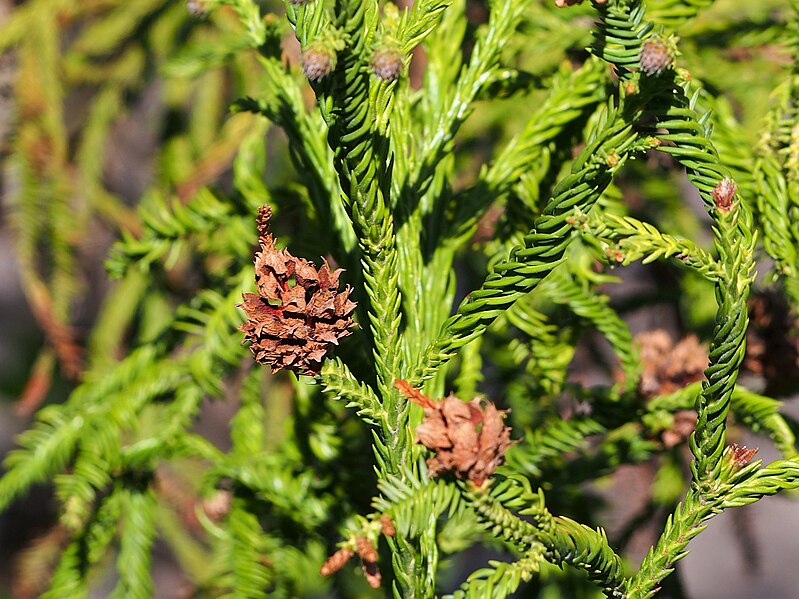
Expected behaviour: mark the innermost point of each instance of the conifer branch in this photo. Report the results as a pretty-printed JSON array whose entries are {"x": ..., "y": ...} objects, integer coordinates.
[
  {"x": 626, "y": 240},
  {"x": 619, "y": 38},
  {"x": 416, "y": 24},
  {"x": 413, "y": 504},
  {"x": 249, "y": 574},
  {"x": 564, "y": 541},
  {"x": 687, "y": 521},
  {"x": 768, "y": 480},
  {"x": 135, "y": 551},
  {"x": 361, "y": 161},
  {"x": 500, "y": 579},
  {"x": 735, "y": 244},
  {"x": 544, "y": 246},
  {"x": 672, "y": 13},
  {"x": 452, "y": 112},
  {"x": 544, "y": 346},
  {"x": 339, "y": 381},
  {"x": 550, "y": 442},
  {"x": 571, "y": 97},
  {"x": 737, "y": 481},
  {"x": 560, "y": 288}
]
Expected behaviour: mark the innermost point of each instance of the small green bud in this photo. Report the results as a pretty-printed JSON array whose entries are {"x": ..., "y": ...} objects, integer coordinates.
[
  {"x": 318, "y": 60},
  {"x": 387, "y": 62}
]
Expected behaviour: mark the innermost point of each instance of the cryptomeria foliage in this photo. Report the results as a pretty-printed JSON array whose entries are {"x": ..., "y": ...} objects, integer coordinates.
[{"x": 477, "y": 169}]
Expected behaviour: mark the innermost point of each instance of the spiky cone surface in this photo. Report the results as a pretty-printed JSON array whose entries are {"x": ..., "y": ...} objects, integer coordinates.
[
  {"x": 387, "y": 63},
  {"x": 318, "y": 61},
  {"x": 298, "y": 314},
  {"x": 468, "y": 438},
  {"x": 657, "y": 56}
]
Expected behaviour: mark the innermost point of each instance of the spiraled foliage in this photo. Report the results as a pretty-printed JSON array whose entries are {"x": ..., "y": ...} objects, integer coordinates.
[
  {"x": 402, "y": 500},
  {"x": 501, "y": 579}
]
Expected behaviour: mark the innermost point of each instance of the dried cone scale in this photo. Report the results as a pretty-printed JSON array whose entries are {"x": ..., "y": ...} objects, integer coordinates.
[
  {"x": 299, "y": 314},
  {"x": 468, "y": 438}
]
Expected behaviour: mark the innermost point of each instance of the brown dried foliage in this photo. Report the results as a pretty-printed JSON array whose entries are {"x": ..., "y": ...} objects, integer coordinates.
[
  {"x": 299, "y": 314},
  {"x": 468, "y": 438},
  {"x": 61, "y": 336},
  {"x": 37, "y": 385},
  {"x": 34, "y": 566}
]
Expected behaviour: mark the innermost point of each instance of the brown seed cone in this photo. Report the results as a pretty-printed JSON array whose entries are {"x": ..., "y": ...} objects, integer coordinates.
[
  {"x": 387, "y": 526},
  {"x": 772, "y": 342},
  {"x": 218, "y": 505},
  {"x": 469, "y": 439},
  {"x": 684, "y": 424},
  {"x": 336, "y": 561},
  {"x": 669, "y": 367},
  {"x": 318, "y": 61},
  {"x": 299, "y": 314},
  {"x": 366, "y": 550},
  {"x": 372, "y": 574},
  {"x": 368, "y": 555},
  {"x": 387, "y": 63},
  {"x": 656, "y": 56}
]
